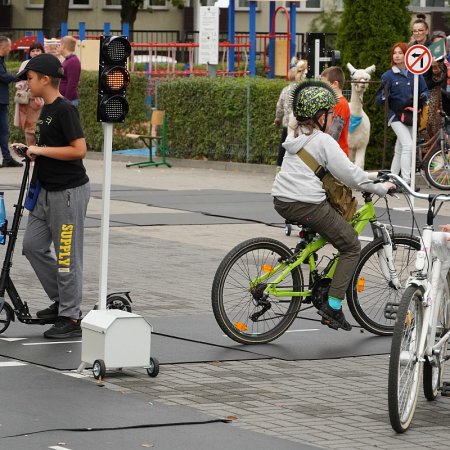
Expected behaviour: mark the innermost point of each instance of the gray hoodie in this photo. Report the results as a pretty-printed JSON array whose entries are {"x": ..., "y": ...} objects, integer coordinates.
[{"x": 297, "y": 182}]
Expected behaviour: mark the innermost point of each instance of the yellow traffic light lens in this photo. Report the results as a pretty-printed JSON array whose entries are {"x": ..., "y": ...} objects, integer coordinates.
[{"x": 115, "y": 79}]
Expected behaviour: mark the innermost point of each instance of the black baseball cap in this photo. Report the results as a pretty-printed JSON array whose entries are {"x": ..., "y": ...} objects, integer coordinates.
[{"x": 46, "y": 64}]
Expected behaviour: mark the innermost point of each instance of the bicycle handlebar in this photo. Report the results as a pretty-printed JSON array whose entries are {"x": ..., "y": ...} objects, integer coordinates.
[{"x": 400, "y": 182}]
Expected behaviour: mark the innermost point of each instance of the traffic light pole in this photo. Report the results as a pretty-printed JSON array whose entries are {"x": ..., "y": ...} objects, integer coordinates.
[{"x": 106, "y": 199}]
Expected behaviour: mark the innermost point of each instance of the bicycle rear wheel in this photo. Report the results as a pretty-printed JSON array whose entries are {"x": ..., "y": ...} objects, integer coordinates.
[
  {"x": 372, "y": 298},
  {"x": 405, "y": 368},
  {"x": 433, "y": 369},
  {"x": 437, "y": 169},
  {"x": 241, "y": 311}
]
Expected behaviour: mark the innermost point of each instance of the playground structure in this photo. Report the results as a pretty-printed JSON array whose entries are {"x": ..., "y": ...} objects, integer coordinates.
[{"x": 238, "y": 54}]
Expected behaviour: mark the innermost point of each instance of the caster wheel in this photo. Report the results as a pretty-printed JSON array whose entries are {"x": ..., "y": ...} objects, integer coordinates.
[
  {"x": 6, "y": 315},
  {"x": 153, "y": 370},
  {"x": 288, "y": 229},
  {"x": 118, "y": 302},
  {"x": 99, "y": 369}
]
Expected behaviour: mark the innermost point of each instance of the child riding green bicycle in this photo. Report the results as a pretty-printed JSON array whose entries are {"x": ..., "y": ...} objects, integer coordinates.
[{"x": 299, "y": 195}]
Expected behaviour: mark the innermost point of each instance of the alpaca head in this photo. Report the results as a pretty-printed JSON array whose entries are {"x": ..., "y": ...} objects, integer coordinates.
[{"x": 360, "y": 78}]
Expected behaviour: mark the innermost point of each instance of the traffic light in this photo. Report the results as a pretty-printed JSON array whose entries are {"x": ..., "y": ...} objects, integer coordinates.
[{"x": 113, "y": 79}]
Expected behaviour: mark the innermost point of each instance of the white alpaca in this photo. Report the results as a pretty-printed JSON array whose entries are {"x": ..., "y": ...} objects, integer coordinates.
[{"x": 359, "y": 130}]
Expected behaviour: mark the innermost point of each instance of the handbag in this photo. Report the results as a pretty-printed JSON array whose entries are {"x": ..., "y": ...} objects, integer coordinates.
[
  {"x": 22, "y": 97},
  {"x": 338, "y": 194},
  {"x": 33, "y": 192}
]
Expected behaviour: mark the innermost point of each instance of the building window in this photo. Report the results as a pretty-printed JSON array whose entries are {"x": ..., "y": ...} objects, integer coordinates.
[
  {"x": 112, "y": 4},
  {"x": 309, "y": 5},
  {"x": 157, "y": 4},
  {"x": 73, "y": 4},
  {"x": 244, "y": 5},
  {"x": 439, "y": 4}
]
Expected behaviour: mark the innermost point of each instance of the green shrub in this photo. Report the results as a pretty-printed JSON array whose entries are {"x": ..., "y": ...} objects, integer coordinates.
[{"x": 225, "y": 118}]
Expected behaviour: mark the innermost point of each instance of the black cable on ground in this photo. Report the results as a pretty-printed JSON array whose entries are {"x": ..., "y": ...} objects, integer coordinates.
[{"x": 129, "y": 427}]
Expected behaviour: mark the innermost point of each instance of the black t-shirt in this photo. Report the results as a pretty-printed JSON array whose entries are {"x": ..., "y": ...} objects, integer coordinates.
[{"x": 58, "y": 125}]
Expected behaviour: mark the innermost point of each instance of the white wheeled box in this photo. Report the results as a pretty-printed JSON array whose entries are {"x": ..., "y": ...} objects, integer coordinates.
[{"x": 119, "y": 338}]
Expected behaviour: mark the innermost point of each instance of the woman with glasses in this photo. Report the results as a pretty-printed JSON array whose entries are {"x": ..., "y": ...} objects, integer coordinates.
[{"x": 420, "y": 32}]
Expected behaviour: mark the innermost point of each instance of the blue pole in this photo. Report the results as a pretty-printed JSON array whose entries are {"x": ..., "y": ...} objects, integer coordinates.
[
  {"x": 271, "y": 41},
  {"x": 231, "y": 35},
  {"x": 82, "y": 30},
  {"x": 107, "y": 28},
  {"x": 40, "y": 37},
  {"x": 293, "y": 30},
  {"x": 252, "y": 32},
  {"x": 126, "y": 29},
  {"x": 64, "y": 29}
]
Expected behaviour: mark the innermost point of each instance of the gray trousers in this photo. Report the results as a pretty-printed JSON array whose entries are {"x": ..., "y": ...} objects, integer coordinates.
[
  {"x": 323, "y": 219},
  {"x": 58, "y": 219}
]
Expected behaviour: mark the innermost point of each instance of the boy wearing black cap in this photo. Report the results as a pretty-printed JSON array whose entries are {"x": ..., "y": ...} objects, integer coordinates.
[{"x": 59, "y": 213}]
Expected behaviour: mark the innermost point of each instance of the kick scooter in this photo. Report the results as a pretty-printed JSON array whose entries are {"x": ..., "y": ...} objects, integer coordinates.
[{"x": 19, "y": 308}]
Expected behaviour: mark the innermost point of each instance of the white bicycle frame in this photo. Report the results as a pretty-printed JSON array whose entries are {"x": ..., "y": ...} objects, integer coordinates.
[{"x": 432, "y": 265}]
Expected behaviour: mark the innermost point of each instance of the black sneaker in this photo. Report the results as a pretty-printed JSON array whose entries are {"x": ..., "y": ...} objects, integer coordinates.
[
  {"x": 49, "y": 313},
  {"x": 64, "y": 328},
  {"x": 11, "y": 163},
  {"x": 334, "y": 318}
]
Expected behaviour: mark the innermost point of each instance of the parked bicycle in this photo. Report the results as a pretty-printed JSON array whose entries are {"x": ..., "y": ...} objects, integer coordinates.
[
  {"x": 433, "y": 157},
  {"x": 259, "y": 287},
  {"x": 422, "y": 328}
]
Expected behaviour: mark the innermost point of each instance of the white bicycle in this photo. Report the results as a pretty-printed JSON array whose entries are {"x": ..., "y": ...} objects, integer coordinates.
[{"x": 422, "y": 330}]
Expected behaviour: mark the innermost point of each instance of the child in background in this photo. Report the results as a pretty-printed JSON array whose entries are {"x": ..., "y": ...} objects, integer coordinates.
[{"x": 338, "y": 128}]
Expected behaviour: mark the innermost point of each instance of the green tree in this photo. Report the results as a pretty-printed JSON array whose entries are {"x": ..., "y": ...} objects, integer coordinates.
[{"x": 366, "y": 33}]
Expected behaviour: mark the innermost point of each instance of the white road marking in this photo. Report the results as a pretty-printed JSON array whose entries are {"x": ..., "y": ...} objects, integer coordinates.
[
  {"x": 293, "y": 331},
  {"x": 12, "y": 339},
  {"x": 306, "y": 329},
  {"x": 52, "y": 343},
  {"x": 12, "y": 364},
  {"x": 58, "y": 447}
]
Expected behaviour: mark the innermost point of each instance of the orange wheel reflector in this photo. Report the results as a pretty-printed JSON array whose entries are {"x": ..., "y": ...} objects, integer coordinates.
[
  {"x": 409, "y": 318},
  {"x": 240, "y": 326},
  {"x": 266, "y": 268},
  {"x": 360, "y": 286}
]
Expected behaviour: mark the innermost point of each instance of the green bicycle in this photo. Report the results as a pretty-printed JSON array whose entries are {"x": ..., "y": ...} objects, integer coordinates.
[{"x": 258, "y": 289}]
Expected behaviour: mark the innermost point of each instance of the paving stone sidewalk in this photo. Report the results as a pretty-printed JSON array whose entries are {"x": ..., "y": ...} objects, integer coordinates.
[{"x": 333, "y": 404}]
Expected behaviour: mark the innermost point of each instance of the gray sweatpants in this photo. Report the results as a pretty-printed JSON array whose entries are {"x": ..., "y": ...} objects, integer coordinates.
[
  {"x": 58, "y": 219},
  {"x": 323, "y": 219}
]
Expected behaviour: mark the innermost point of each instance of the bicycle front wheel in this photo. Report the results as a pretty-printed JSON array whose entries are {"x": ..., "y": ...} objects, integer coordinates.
[
  {"x": 405, "y": 367},
  {"x": 437, "y": 169},
  {"x": 433, "y": 368},
  {"x": 372, "y": 298},
  {"x": 242, "y": 310}
]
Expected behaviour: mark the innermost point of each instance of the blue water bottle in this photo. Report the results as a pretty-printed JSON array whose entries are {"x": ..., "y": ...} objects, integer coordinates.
[{"x": 3, "y": 222}]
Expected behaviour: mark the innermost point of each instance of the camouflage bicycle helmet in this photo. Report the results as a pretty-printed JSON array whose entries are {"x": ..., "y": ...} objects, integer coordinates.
[{"x": 310, "y": 97}]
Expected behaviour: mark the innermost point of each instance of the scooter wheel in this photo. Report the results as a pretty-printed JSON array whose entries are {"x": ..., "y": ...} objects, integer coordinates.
[
  {"x": 99, "y": 369},
  {"x": 6, "y": 316},
  {"x": 153, "y": 370}
]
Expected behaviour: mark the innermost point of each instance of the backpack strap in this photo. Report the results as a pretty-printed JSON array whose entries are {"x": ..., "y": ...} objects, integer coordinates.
[{"x": 306, "y": 157}]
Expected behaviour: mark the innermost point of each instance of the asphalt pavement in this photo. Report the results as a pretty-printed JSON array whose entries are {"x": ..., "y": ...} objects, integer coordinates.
[{"x": 166, "y": 253}]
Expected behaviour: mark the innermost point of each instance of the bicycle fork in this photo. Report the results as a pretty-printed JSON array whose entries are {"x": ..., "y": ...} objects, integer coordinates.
[{"x": 386, "y": 259}]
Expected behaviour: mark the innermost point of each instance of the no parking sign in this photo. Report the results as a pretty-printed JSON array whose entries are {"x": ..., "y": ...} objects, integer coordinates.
[{"x": 418, "y": 59}]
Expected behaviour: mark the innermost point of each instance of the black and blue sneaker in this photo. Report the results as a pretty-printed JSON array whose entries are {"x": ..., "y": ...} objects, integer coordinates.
[{"x": 333, "y": 318}]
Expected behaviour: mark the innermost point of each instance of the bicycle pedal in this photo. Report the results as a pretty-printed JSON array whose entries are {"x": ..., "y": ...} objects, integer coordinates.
[
  {"x": 391, "y": 310},
  {"x": 445, "y": 390}
]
